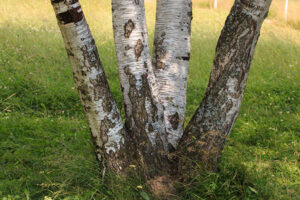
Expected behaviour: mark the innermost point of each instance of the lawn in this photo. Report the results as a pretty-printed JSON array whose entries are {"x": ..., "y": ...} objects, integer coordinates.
[{"x": 45, "y": 147}]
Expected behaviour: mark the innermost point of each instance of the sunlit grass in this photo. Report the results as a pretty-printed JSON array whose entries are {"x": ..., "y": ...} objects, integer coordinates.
[
  {"x": 45, "y": 147},
  {"x": 277, "y": 9}
]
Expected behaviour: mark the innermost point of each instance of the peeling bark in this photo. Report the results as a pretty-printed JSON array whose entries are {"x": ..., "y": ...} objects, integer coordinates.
[
  {"x": 171, "y": 57},
  {"x": 144, "y": 116},
  {"x": 205, "y": 136},
  {"x": 107, "y": 130}
]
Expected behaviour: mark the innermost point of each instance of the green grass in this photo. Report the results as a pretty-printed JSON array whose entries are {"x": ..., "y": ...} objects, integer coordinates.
[{"x": 45, "y": 147}]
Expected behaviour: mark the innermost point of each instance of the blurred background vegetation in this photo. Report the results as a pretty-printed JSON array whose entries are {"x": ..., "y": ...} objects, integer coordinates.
[{"x": 277, "y": 10}]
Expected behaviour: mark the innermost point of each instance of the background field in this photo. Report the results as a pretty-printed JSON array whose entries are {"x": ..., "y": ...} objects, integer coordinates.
[{"x": 45, "y": 147}]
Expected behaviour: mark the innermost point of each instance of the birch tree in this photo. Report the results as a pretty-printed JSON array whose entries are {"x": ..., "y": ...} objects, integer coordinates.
[{"x": 154, "y": 90}]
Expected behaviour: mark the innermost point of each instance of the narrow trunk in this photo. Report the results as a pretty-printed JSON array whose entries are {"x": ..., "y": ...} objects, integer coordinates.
[
  {"x": 171, "y": 62},
  {"x": 100, "y": 108},
  {"x": 205, "y": 136},
  {"x": 144, "y": 116}
]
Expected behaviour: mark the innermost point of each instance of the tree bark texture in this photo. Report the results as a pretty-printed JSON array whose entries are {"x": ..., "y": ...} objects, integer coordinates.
[
  {"x": 144, "y": 114},
  {"x": 154, "y": 93},
  {"x": 171, "y": 57},
  {"x": 205, "y": 135},
  {"x": 103, "y": 117}
]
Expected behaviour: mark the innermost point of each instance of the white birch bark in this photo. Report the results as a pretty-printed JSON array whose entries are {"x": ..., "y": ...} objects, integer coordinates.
[
  {"x": 171, "y": 62},
  {"x": 144, "y": 115},
  {"x": 100, "y": 108}
]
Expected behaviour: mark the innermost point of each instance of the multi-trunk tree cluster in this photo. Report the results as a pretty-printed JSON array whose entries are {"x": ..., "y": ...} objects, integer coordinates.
[{"x": 154, "y": 90}]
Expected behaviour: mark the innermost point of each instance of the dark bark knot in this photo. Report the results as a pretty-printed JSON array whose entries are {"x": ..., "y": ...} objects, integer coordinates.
[
  {"x": 139, "y": 47},
  {"x": 128, "y": 28},
  {"x": 71, "y": 16}
]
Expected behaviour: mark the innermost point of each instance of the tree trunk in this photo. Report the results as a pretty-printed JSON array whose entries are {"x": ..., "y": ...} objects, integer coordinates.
[
  {"x": 171, "y": 57},
  {"x": 144, "y": 116},
  {"x": 154, "y": 97},
  {"x": 100, "y": 108},
  {"x": 205, "y": 136}
]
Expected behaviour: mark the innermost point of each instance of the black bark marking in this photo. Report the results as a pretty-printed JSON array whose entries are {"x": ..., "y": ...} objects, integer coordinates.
[
  {"x": 128, "y": 28},
  {"x": 71, "y": 16},
  {"x": 56, "y": 1},
  {"x": 69, "y": 1},
  {"x": 139, "y": 47},
  {"x": 186, "y": 58},
  {"x": 137, "y": 2},
  {"x": 174, "y": 120},
  {"x": 127, "y": 47}
]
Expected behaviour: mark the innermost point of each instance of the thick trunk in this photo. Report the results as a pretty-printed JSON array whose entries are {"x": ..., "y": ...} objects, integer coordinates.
[
  {"x": 144, "y": 116},
  {"x": 171, "y": 62},
  {"x": 103, "y": 117},
  {"x": 205, "y": 136}
]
